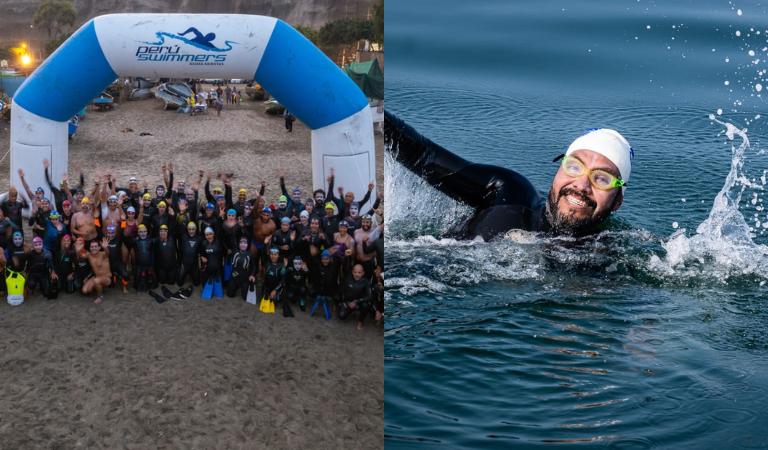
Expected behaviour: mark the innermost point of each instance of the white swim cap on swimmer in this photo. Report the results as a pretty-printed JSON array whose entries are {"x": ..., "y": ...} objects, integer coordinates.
[{"x": 610, "y": 144}]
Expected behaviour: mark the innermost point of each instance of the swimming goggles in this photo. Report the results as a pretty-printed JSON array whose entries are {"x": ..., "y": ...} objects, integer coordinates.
[{"x": 600, "y": 179}]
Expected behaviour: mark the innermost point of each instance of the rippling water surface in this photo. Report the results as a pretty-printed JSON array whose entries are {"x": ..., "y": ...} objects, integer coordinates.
[{"x": 650, "y": 335}]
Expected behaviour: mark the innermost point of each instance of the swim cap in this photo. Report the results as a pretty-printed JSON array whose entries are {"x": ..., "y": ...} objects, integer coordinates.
[
  {"x": 84, "y": 200},
  {"x": 209, "y": 206},
  {"x": 232, "y": 211},
  {"x": 163, "y": 204},
  {"x": 354, "y": 205},
  {"x": 330, "y": 205},
  {"x": 367, "y": 217},
  {"x": 142, "y": 227},
  {"x": 242, "y": 191},
  {"x": 267, "y": 210},
  {"x": 274, "y": 250},
  {"x": 217, "y": 189},
  {"x": 55, "y": 215},
  {"x": 344, "y": 223},
  {"x": 45, "y": 199},
  {"x": 163, "y": 227},
  {"x": 131, "y": 209},
  {"x": 181, "y": 182},
  {"x": 208, "y": 230},
  {"x": 66, "y": 236},
  {"x": 297, "y": 190},
  {"x": 111, "y": 228},
  {"x": 17, "y": 234},
  {"x": 282, "y": 198},
  {"x": 66, "y": 203},
  {"x": 113, "y": 198},
  {"x": 285, "y": 220},
  {"x": 146, "y": 197},
  {"x": 132, "y": 180},
  {"x": 191, "y": 225},
  {"x": 304, "y": 214},
  {"x": 610, "y": 144},
  {"x": 39, "y": 189},
  {"x": 219, "y": 197},
  {"x": 37, "y": 239},
  {"x": 325, "y": 254}
]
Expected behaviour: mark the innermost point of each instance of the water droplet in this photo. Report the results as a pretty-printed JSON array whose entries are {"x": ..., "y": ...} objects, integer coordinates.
[
  {"x": 758, "y": 87},
  {"x": 738, "y": 33},
  {"x": 675, "y": 225},
  {"x": 727, "y": 82},
  {"x": 751, "y": 53},
  {"x": 719, "y": 112},
  {"x": 647, "y": 27},
  {"x": 738, "y": 12}
]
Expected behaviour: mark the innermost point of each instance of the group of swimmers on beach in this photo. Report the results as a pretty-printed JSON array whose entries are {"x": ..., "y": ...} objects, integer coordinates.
[{"x": 321, "y": 250}]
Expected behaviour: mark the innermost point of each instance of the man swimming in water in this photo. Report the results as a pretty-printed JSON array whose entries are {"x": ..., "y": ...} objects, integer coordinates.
[{"x": 583, "y": 194}]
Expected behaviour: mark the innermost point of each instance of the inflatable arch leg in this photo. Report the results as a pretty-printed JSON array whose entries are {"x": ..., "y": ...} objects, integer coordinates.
[{"x": 286, "y": 64}]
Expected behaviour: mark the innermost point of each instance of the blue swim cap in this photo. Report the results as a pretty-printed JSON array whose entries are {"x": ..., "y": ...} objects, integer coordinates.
[
  {"x": 54, "y": 215},
  {"x": 325, "y": 254},
  {"x": 232, "y": 211},
  {"x": 209, "y": 206},
  {"x": 285, "y": 220}
]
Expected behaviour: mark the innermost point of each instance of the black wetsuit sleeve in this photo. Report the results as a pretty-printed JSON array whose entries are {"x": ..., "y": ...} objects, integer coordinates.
[
  {"x": 168, "y": 186},
  {"x": 208, "y": 195},
  {"x": 261, "y": 191},
  {"x": 477, "y": 185},
  {"x": 364, "y": 200},
  {"x": 228, "y": 195},
  {"x": 282, "y": 187}
]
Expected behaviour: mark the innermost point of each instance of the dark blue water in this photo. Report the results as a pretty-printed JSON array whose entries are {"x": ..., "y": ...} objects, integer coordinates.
[{"x": 652, "y": 335}]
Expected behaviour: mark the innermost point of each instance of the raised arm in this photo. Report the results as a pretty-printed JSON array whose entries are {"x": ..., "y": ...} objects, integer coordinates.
[
  {"x": 281, "y": 174},
  {"x": 26, "y": 187},
  {"x": 477, "y": 185}
]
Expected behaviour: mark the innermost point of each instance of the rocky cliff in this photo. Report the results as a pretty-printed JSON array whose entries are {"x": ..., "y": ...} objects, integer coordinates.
[{"x": 16, "y": 15}]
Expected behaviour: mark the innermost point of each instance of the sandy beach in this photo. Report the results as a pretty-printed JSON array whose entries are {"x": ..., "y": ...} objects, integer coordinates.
[{"x": 131, "y": 373}]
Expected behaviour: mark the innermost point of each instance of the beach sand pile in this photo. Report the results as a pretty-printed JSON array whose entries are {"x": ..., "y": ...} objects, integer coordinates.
[{"x": 132, "y": 373}]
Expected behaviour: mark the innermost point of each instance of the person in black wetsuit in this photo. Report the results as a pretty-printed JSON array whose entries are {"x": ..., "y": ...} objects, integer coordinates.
[
  {"x": 143, "y": 247},
  {"x": 114, "y": 250},
  {"x": 243, "y": 270},
  {"x": 165, "y": 257},
  {"x": 356, "y": 296},
  {"x": 325, "y": 279},
  {"x": 12, "y": 208},
  {"x": 15, "y": 253},
  {"x": 273, "y": 276},
  {"x": 312, "y": 242},
  {"x": 283, "y": 238},
  {"x": 208, "y": 219},
  {"x": 211, "y": 255},
  {"x": 64, "y": 263},
  {"x": 330, "y": 223},
  {"x": 581, "y": 199},
  {"x": 189, "y": 250},
  {"x": 295, "y": 282},
  {"x": 41, "y": 270}
]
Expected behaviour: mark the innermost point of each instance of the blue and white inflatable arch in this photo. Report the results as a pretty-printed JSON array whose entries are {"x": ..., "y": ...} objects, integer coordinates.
[{"x": 286, "y": 64}]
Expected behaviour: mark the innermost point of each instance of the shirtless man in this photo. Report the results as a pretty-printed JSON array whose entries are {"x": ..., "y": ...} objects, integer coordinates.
[
  {"x": 98, "y": 258},
  {"x": 262, "y": 234},
  {"x": 367, "y": 261},
  {"x": 112, "y": 217},
  {"x": 83, "y": 223}
]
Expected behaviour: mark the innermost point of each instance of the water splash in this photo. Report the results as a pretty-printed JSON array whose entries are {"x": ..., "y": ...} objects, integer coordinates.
[{"x": 723, "y": 245}]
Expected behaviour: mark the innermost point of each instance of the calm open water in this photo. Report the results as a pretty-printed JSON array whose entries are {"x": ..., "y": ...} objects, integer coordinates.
[{"x": 652, "y": 335}]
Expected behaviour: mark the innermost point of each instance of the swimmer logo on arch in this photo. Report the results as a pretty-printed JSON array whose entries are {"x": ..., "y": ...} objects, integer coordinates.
[{"x": 160, "y": 51}]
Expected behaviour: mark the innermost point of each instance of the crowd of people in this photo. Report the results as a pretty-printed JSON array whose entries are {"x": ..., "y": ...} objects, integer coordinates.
[{"x": 324, "y": 253}]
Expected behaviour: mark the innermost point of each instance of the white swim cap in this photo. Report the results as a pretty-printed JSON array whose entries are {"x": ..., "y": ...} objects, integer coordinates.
[{"x": 610, "y": 144}]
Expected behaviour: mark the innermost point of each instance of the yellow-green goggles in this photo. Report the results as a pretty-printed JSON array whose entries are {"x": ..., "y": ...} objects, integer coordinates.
[{"x": 600, "y": 179}]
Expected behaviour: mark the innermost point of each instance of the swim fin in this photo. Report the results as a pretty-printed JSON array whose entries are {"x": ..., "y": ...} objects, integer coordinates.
[
  {"x": 217, "y": 290},
  {"x": 167, "y": 293},
  {"x": 317, "y": 301},
  {"x": 327, "y": 311},
  {"x": 287, "y": 311},
  {"x": 157, "y": 297},
  {"x": 207, "y": 289},
  {"x": 264, "y": 305},
  {"x": 271, "y": 307}
]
